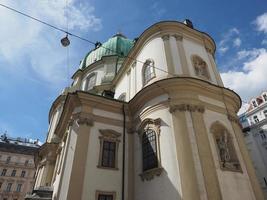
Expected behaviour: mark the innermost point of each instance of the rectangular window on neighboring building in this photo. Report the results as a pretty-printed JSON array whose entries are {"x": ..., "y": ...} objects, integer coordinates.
[
  {"x": 8, "y": 187},
  {"x": 19, "y": 187},
  {"x": 13, "y": 173},
  {"x": 256, "y": 119},
  {"x": 23, "y": 174},
  {"x": 3, "y": 172},
  {"x": 1, "y": 185}
]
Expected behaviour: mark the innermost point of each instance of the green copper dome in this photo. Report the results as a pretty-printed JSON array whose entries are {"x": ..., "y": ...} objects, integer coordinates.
[{"x": 117, "y": 45}]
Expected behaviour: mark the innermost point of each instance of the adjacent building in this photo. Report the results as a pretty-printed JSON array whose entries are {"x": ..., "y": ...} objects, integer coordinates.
[
  {"x": 150, "y": 119},
  {"x": 254, "y": 123},
  {"x": 17, "y": 168}
]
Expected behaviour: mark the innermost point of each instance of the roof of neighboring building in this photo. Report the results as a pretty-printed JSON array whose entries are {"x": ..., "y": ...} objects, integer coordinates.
[
  {"x": 259, "y": 100},
  {"x": 18, "y": 145},
  {"x": 117, "y": 45}
]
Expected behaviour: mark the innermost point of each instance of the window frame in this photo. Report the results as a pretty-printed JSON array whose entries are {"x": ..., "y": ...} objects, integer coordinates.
[
  {"x": 149, "y": 63},
  {"x": 4, "y": 171},
  {"x": 108, "y": 135},
  {"x": 13, "y": 173},
  {"x": 18, "y": 189},
  {"x": 23, "y": 173},
  {"x": 100, "y": 192},
  {"x": 154, "y": 125},
  {"x": 87, "y": 81},
  {"x": 8, "y": 189}
]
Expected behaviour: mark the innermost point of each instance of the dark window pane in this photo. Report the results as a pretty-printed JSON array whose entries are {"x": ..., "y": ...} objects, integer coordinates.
[
  {"x": 149, "y": 150},
  {"x": 108, "y": 154},
  {"x": 105, "y": 197}
]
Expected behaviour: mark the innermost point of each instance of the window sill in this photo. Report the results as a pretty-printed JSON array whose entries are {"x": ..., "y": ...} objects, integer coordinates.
[
  {"x": 110, "y": 168},
  {"x": 149, "y": 174}
]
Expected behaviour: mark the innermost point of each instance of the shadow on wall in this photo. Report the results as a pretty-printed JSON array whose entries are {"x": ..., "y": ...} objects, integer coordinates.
[{"x": 158, "y": 188}]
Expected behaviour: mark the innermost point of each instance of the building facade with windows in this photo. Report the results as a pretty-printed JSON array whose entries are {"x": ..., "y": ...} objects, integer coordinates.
[
  {"x": 254, "y": 123},
  {"x": 150, "y": 119},
  {"x": 17, "y": 168}
]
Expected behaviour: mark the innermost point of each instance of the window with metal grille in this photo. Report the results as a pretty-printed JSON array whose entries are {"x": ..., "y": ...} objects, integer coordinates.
[
  {"x": 108, "y": 154},
  {"x": 23, "y": 174},
  {"x": 90, "y": 81},
  {"x": 3, "y": 172},
  {"x": 8, "y": 187},
  {"x": 149, "y": 149},
  {"x": 13, "y": 173},
  {"x": 19, "y": 187},
  {"x": 105, "y": 197}
]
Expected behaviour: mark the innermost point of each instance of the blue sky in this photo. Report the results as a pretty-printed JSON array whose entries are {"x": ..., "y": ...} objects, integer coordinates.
[{"x": 34, "y": 67}]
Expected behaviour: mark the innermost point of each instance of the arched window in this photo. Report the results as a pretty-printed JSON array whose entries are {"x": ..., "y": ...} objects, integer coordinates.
[
  {"x": 200, "y": 67},
  {"x": 148, "y": 71},
  {"x": 149, "y": 136},
  {"x": 225, "y": 148},
  {"x": 122, "y": 97},
  {"x": 90, "y": 81}
]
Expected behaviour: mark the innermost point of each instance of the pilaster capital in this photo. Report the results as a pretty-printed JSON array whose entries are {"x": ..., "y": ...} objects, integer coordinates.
[
  {"x": 82, "y": 119},
  {"x": 165, "y": 37},
  {"x": 178, "y": 37},
  {"x": 233, "y": 118},
  {"x": 187, "y": 107},
  {"x": 208, "y": 50}
]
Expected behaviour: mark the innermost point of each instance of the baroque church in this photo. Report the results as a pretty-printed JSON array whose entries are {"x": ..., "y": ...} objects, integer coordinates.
[{"x": 147, "y": 119}]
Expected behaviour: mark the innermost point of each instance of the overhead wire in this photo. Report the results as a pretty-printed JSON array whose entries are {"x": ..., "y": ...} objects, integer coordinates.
[
  {"x": 77, "y": 36},
  {"x": 85, "y": 39}
]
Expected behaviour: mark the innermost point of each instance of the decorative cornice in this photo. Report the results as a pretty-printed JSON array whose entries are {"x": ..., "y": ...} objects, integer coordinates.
[
  {"x": 165, "y": 37},
  {"x": 109, "y": 133},
  {"x": 187, "y": 107},
  {"x": 149, "y": 174}
]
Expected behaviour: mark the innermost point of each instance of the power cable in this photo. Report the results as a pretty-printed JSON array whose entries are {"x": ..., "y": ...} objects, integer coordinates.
[
  {"x": 86, "y": 40},
  {"x": 77, "y": 36}
]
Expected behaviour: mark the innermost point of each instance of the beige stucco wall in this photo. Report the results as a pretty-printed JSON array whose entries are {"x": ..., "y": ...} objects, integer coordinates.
[
  {"x": 168, "y": 183},
  {"x": 230, "y": 182},
  {"x": 97, "y": 178},
  {"x": 194, "y": 48}
]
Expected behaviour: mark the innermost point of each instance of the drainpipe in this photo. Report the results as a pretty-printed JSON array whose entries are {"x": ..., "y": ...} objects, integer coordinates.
[{"x": 123, "y": 152}]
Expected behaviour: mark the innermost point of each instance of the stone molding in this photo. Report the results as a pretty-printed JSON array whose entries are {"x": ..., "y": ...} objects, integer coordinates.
[
  {"x": 150, "y": 174},
  {"x": 178, "y": 37},
  {"x": 187, "y": 107},
  {"x": 82, "y": 119}
]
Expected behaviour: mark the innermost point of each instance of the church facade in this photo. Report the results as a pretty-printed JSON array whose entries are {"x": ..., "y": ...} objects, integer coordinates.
[{"x": 150, "y": 119}]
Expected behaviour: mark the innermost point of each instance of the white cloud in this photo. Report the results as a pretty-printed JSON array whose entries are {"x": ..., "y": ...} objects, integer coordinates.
[
  {"x": 251, "y": 79},
  {"x": 157, "y": 9},
  {"x": 237, "y": 42},
  {"x": 261, "y": 23},
  {"x": 33, "y": 49},
  {"x": 230, "y": 38},
  {"x": 264, "y": 42}
]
